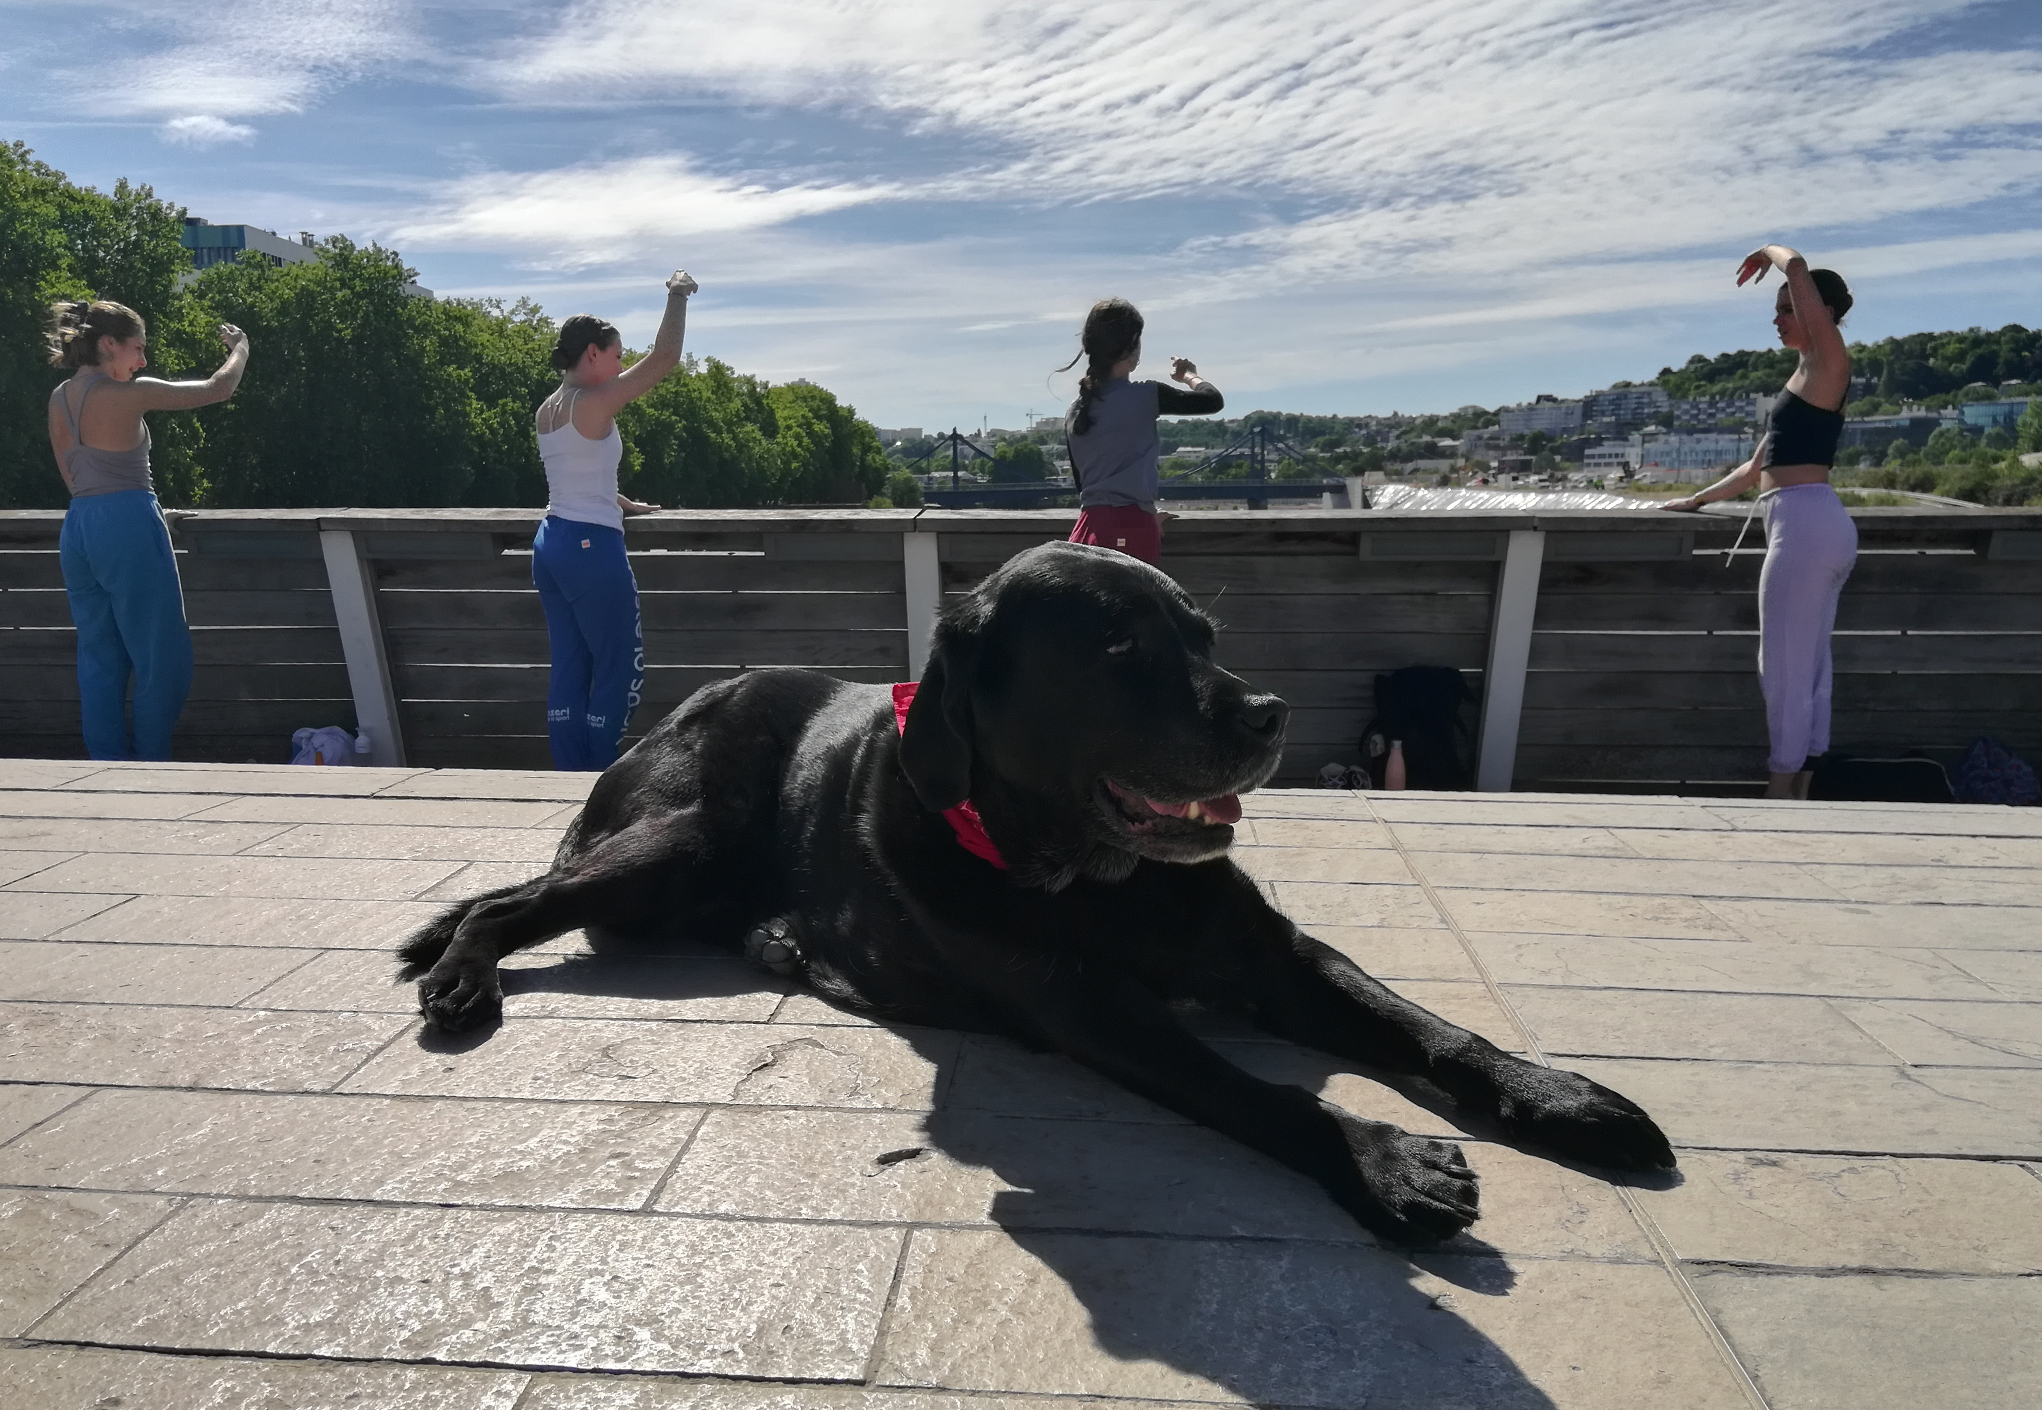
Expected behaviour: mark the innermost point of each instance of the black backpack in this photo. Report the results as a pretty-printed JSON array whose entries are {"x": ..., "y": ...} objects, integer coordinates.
[
  {"x": 1851, "y": 778},
  {"x": 1431, "y": 709}
]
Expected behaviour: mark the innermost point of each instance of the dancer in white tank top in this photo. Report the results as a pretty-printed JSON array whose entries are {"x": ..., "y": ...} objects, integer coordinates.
[{"x": 578, "y": 563}]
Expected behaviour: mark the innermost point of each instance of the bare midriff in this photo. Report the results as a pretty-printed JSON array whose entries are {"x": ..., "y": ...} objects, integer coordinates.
[{"x": 1779, "y": 477}]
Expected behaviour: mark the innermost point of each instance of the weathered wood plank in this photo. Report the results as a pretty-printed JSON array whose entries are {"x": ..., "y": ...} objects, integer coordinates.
[
  {"x": 675, "y": 611},
  {"x": 1864, "y": 612},
  {"x": 1316, "y": 614},
  {"x": 31, "y": 568},
  {"x": 1302, "y": 574},
  {"x": 656, "y": 572},
  {"x": 211, "y": 682},
  {"x": 1672, "y": 763},
  {"x": 456, "y": 646},
  {"x": 45, "y": 607},
  {"x": 57, "y": 646},
  {"x": 1864, "y": 691},
  {"x": 669, "y": 684},
  {"x": 1927, "y": 729},
  {"x": 251, "y": 718},
  {"x": 1249, "y": 652},
  {"x": 1959, "y": 573},
  {"x": 1682, "y": 651}
]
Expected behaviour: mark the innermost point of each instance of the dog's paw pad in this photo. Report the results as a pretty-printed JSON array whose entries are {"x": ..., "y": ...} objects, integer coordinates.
[
  {"x": 461, "y": 1000},
  {"x": 1585, "y": 1121},
  {"x": 1415, "y": 1190}
]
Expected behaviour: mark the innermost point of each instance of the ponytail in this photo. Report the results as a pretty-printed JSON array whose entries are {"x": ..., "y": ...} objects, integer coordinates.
[
  {"x": 76, "y": 326},
  {"x": 1112, "y": 329}
]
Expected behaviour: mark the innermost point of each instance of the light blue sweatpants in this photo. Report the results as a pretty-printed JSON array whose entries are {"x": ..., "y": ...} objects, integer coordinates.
[
  {"x": 1811, "y": 545},
  {"x": 121, "y": 577}
]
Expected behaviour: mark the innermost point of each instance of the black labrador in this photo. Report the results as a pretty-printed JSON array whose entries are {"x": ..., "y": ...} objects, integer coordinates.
[{"x": 1072, "y": 700}]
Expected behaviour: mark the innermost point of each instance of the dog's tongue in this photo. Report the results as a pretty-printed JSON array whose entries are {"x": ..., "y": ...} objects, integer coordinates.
[{"x": 1224, "y": 809}]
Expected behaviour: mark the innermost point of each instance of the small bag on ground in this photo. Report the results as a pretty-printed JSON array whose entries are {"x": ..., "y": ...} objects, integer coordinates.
[
  {"x": 329, "y": 746},
  {"x": 1852, "y": 778},
  {"x": 1431, "y": 709},
  {"x": 1991, "y": 773}
]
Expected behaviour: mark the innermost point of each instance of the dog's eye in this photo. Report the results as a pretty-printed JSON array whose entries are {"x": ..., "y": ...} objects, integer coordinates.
[{"x": 1121, "y": 647}]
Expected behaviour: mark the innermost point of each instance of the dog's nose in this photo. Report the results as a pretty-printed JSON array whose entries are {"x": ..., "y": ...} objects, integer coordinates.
[{"x": 1262, "y": 716}]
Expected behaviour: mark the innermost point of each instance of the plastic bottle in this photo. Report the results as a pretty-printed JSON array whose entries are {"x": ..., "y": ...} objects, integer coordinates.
[
  {"x": 361, "y": 748},
  {"x": 1393, "y": 771}
]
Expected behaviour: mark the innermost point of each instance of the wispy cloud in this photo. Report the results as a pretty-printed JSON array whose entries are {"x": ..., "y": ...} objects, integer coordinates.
[{"x": 204, "y": 130}]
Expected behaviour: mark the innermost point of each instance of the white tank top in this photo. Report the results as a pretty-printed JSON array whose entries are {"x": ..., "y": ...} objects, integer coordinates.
[{"x": 581, "y": 474}]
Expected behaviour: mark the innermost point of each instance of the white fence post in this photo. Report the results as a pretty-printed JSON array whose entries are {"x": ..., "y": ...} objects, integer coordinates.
[
  {"x": 1510, "y": 632},
  {"x": 361, "y": 642},
  {"x": 922, "y": 577}
]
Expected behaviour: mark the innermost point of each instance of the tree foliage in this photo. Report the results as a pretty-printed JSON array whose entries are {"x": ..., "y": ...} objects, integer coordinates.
[
  {"x": 1019, "y": 462},
  {"x": 358, "y": 394}
]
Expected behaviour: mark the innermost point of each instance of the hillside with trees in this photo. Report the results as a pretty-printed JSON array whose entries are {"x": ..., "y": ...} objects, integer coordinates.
[{"x": 360, "y": 395}]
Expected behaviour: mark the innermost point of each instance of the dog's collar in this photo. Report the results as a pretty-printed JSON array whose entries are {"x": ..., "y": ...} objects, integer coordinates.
[{"x": 963, "y": 819}]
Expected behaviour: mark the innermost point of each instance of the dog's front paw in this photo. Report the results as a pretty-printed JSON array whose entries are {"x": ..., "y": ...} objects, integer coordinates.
[
  {"x": 1582, "y": 1120},
  {"x": 462, "y": 997},
  {"x": 1411, "y": 1190}
]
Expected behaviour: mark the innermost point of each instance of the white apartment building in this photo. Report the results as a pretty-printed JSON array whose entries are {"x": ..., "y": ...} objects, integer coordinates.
[
  {"x": 1636, "y": 405},
  {"x": 1545, "y": 413},
  {"x": 1687, "y": 451},
  {"x": 1610, "y": 458}
]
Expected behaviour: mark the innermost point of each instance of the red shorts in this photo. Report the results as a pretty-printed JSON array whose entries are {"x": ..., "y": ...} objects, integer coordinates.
[{"x": 1135, "y": 532}]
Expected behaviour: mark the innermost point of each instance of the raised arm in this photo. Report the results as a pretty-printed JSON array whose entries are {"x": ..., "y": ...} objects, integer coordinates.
[
  {"x": 608, "y": 398},
  {"x": 154, "y": 394},
  {"x": 1828, "y": 360},
  {"x": 1202, "y": 398}
]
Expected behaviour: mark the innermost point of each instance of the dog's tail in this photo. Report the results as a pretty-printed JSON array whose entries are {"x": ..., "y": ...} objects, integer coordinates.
[{"x": 423, "y": 950}]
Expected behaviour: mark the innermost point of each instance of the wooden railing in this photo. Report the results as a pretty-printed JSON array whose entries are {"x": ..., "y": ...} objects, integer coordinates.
[{"x": 1618, "y": 652}]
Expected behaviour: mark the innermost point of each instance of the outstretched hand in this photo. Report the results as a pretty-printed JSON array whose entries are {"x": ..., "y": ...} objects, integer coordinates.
[
  {"x": 1182, "y": 369},
  {"x": 680, "y": 282},
  {"x": 233, "y": 337},
  {"x": 1688, "y": 505},
  {"x": 1760, "y": 262}
]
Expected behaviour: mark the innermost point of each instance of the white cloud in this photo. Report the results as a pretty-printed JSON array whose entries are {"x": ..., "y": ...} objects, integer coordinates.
[{"x": 204, "y": 130}]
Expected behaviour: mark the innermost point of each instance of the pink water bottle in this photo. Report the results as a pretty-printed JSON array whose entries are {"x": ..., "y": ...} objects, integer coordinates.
[{"x": 1393, "y": 771}]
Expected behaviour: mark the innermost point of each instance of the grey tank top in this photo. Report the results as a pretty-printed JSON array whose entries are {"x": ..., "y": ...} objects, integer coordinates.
[{"x": 95, "y": 471}]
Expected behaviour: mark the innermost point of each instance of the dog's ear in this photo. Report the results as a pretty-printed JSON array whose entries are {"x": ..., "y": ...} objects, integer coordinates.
[{"x": 935, "y": 746}]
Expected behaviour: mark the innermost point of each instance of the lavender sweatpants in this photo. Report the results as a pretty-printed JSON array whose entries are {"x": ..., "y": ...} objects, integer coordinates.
[{"x": 1811, "y": 545}]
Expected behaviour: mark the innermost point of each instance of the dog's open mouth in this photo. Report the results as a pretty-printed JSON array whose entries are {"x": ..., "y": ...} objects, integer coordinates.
[{"x": 1147, "y": 815}]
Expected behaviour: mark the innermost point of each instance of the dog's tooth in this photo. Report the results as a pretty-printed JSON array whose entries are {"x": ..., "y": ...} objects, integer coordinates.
[{"x": 1193, "y": 814}]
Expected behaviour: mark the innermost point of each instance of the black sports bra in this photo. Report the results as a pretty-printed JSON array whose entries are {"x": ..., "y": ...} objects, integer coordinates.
[{"x": 1801, "y": 433}]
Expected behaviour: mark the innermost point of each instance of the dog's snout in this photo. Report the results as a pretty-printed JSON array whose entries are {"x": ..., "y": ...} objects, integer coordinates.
[{"x": 1262, "y": 717}]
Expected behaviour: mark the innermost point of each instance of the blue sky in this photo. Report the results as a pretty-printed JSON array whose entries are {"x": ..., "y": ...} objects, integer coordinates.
[{"x": 1333, "y": 206}]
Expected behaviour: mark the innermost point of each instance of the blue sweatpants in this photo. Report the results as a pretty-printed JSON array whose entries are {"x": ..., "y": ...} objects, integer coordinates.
[
  {"x": 591, "y": 603},
  {"x": 121, "y": 577}
]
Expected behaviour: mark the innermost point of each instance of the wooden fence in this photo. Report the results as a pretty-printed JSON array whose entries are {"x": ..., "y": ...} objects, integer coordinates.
[{"x": 1611, "y": 650}]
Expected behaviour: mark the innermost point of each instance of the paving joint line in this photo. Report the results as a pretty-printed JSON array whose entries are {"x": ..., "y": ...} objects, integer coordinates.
[
  {"x": 1661, "y": 1246},
  {"x": 177, "y": 1205}
]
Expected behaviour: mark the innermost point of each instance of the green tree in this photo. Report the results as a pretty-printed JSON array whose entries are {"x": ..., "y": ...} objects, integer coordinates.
[
  {"x": 2029, "y": 432},
  {"x": 903, "y": 490},
  {"x": 1942, "y": 442},
  {"x": 824, "y": 453},
  {"x": 1017, "y": 462}
]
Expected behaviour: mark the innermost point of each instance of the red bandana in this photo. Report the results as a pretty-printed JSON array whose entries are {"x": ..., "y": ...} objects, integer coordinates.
[{"x": 963, "y": 819}]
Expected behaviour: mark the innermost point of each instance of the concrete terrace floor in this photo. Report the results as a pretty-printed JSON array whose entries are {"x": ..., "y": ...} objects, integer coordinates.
[{"x": 233, "y": 1173}]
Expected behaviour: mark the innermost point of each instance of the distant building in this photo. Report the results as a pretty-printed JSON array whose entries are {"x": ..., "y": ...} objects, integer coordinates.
[
  {"x": 1687, "y": 451},
  {"x": 893, "y": 435},
  {"x": 216, "y": 244},
  {"x": 1545, "y": 413},
  {"x": 1626, "y": 406},
  {"x": 1484, "y": 443},
  {"x": 1610, "y": 458},
  {"x": 1718, "y": 411},
  {"x": 1048, "y": 423},
  {"x": 1879, "y": 432},
  {"x": 1988, "y": 415}
]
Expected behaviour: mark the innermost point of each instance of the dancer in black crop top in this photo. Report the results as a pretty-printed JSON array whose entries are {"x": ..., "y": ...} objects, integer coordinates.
[{"x": 1811, "y": 542}]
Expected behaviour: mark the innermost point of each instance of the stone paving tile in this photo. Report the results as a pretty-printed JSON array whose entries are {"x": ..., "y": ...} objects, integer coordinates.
[
  {"x": 1335, "y": 1081},
  {"x": 1488, "y": 810},
  {"x": 808, "y": 1008},
  {"x": 538, "y": 985},
  {"x": 1907, "y": 820},
  {"x": 1852, "y": 1110},
  {"x": 1953, "y": 1216},
  {"x": 240, "y": 920},
  {"x": 15, "y": 866},
  {"x": 130, "y": 835},
  {"x": 1296, "y": 1324},
  {"x": 23, "y": 1106},
  {"x": 478, "y": 877},
  {"x": 1500, "y": 837},
  {"x": 1309, "y": 832},
  {"x": 605, "y": 1060},
  {"x": 517, "y": 785},
  {"x": 125, "y": 1045},
  {"x": 995, "y": 1075},
  {"x": 1312, "y": 903},
  {"x": 413, "y": 843},
  {"x": 1027, "y": 1173},
  {"x": 50, "y": 1242},
  {"x": 387, "y": 812},
  {"x": 1956, "y": 1034},
  {"x": 623, "y": 1392},
  {"x": 590, "y": 1291},
  {"x": 586, "y": 1156},
  {"x": 30, "y": 915},
  {"x": 1906, "y": 927},
  {"x": 45, "y": 773},
  {"x": 55, "y": 972},
  {"x": 1343, "y": 864},
  {"x": 167, "y": 807},
  {"x": 1897, "y": 1343},
  {"x": 1329, "y": 804},
  {"x": 2011, "y": 974},
  {"x": 282, "y": 878},
  {"x": 1582, "y": 913},
  {"x": 81, "y": 1378},
  {"x": 1961, "y": 886},
  {"x": 1648, "y": 877},
  {"x": 1862, "y": 848},
  {"x": 226, "y": 778},
  {"x": 1727, "y": 965},
  {"x": 1400, "y": 952},
  {"x": 1648, "y": 1023}
]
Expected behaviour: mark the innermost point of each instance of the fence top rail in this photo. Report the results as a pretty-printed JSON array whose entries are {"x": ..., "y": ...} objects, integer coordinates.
[{"x": 1930, "y": 520}]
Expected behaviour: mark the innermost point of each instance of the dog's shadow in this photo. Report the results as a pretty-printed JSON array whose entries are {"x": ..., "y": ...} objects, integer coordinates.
[{"x": 1197, "y": 1263}]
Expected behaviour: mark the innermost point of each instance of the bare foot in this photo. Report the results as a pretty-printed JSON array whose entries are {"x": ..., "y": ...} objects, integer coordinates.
[{"x": 1780, "y": 785}]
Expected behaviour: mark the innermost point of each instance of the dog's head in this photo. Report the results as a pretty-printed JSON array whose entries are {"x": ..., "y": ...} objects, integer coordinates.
[{"x": 1073, "y": 697}]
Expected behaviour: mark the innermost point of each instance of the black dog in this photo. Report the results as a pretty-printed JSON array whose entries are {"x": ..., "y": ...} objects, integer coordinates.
[{"x": 1073, "y": 700}]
